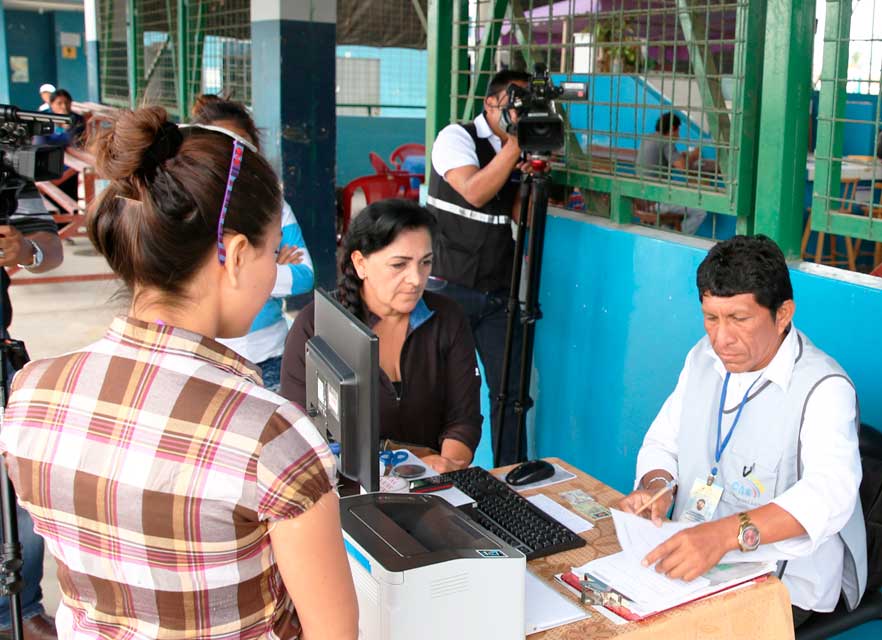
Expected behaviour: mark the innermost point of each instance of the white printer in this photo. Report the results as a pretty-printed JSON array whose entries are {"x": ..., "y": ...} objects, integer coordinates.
[{"x": 422, "y": 569}]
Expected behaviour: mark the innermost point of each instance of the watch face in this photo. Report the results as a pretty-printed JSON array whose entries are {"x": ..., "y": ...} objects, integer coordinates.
[{"x": 750, "y": 537}]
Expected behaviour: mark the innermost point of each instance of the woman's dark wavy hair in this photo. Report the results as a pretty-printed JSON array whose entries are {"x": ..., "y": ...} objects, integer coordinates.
[
  {"x": 375, "y": 228},
  {"x": 746, "y": 264}
]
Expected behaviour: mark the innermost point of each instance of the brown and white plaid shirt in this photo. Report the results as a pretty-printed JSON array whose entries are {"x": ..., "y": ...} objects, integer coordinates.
[{"x": 153, "y": 464}]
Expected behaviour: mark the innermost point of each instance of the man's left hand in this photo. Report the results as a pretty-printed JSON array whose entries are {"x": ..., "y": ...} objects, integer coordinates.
[
  {"x": 692, "y": 552},
  {"x": 14, "y": 247}
]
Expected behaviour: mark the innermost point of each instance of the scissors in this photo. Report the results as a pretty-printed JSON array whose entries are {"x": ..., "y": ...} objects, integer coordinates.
[{"x": 392, "y": 458}]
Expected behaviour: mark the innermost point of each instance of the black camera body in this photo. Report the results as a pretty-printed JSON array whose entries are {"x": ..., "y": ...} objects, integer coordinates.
[
  {"x": 540, "y": 129},
  {"x": 19, "y": 158}
]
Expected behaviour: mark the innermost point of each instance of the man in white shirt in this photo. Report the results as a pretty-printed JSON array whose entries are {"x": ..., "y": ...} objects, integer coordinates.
[
  {"x": 473, "y": 194},
  {"x": 761, "y": 427}
]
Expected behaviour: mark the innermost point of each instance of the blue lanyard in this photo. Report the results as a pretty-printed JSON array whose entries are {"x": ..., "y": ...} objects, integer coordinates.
[{"x": 718, "y": 453}]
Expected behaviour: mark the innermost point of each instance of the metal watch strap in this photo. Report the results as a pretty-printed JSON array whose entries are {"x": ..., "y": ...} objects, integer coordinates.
[
  {"x": 37, "y": 258},
  {"x": 653, "y": 479}
]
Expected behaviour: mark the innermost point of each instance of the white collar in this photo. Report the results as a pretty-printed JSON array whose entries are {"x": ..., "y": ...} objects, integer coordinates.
[
  {"x": 482, "y": 128},
  {"x": 780, "y": 369}
]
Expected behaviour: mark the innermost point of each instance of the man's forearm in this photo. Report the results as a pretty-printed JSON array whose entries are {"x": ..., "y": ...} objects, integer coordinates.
[
  {"x": 483, "y": 185},
  {"x": 50, "y": 245}
]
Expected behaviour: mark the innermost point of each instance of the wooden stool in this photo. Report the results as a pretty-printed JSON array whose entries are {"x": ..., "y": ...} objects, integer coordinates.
[{"x": 849, "y": 188}]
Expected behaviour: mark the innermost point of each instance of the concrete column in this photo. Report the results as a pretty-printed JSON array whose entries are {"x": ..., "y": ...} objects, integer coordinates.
[
  {"x": 293, "y": 49},
  {"x": 90, "y": 10}
]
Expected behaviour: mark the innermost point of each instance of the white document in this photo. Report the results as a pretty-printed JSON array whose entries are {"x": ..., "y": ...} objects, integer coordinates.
[
  {"x": 651, "y": 592},
  {"x": 545, "y": 608},
  {"x": 638, "y": 536},
  {"x": 567, "y": 518}
]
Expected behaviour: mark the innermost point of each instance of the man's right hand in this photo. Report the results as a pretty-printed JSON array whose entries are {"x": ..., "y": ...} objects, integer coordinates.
[{"x": 634, "y": 501}]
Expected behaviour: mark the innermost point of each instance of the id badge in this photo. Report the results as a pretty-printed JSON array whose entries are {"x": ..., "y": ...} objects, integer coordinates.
[{"x": 703, "y": 501}]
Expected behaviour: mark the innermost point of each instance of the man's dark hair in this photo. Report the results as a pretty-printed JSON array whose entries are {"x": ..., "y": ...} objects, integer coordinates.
[
  {"x": 59, "y": 93},
  {"x": 746, "y": 264},
  {"x": 504, "y": 78},
  {"x": 666, "y": 122}
]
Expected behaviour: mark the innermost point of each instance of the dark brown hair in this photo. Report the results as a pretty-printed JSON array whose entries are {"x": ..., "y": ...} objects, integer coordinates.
[
  {"x": 211, "y": 109},
  {"x": 375, "y": 228},
  {"x": 156, "y": 222}
]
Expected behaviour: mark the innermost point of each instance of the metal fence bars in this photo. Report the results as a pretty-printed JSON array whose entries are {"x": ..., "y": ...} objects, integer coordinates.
[{"x": 649, "y": 64}]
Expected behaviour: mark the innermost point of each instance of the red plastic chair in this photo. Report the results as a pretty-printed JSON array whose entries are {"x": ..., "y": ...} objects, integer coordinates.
[
  {"x": 404, "y": 151},
  {"x": 379, "y": 165},
  {"x": 378, "y": 187}
]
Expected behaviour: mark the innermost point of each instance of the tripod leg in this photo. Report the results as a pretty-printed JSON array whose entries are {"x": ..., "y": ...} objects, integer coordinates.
[
  {"x": 512, "y": 315},
  {"x": 532, "y": 312},
  {"x": 11, "y": 565}
]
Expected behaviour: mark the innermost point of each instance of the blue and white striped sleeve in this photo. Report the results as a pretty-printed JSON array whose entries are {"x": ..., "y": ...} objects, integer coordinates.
[{"x": 293, "y": 279}]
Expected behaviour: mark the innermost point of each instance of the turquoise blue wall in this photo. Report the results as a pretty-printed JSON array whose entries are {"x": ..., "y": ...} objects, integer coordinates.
[
  {"x": 620, "y": 312},
  {"x": 37, "y": 36},
  {"x": 403, "y": 74},
  {"x": 71, "y": 74},
  {"x": 4, "y": 67},
  {"x": 30, "y": 34},
  {"x": 359, "y": 135}
]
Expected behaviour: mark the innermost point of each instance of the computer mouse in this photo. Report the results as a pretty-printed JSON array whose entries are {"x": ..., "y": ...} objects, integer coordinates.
[{"x": 529, "y": 472}]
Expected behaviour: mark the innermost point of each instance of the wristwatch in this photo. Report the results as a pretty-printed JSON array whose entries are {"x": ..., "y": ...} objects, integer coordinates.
[
  {"x": 748, "y": 534},
  {"x": 38, "y": 256}
]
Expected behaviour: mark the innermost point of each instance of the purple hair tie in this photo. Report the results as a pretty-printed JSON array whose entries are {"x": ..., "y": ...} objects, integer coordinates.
[{"x": 235, "y": 165}]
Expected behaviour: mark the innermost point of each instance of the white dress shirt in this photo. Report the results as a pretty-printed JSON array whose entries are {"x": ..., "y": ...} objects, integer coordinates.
[
  {"x": 824, "y": 497},
  {"x": 454, "y": 147}
]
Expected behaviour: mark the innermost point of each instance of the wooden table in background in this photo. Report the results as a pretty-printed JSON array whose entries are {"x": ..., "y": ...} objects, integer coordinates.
[{"x": 761, "y": 610}]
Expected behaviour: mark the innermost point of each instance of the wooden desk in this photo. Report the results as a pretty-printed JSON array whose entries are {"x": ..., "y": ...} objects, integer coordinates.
[{"x": 761, "y": 610}]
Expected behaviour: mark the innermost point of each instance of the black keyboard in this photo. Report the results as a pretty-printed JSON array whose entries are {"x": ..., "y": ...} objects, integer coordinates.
[{"x": 505, "y": 513}]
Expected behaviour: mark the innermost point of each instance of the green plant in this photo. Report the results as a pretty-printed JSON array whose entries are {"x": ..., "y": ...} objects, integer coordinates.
[{"x": 616, "y": 39}]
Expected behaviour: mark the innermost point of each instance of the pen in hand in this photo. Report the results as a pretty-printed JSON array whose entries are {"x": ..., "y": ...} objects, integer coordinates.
[{"x": 669, "y": 486}]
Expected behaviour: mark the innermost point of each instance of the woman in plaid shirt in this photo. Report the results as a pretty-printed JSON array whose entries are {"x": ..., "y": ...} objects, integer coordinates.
[{"x": 179, "y": 497}]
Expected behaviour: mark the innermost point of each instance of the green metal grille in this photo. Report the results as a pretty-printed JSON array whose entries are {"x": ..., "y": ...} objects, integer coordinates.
[
  {"x": 168, "y": 51},
  {"x": 156, "y": 64},
  {"x": 846, "y": 173},
  {"x": 219, "y": 49},
  {"x": 641, "y": 59},
  {"x": 113, "y": 57}
]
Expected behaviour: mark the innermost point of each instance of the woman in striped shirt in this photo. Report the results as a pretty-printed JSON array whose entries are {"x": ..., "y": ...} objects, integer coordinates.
[{"x": 179, "y": 497}]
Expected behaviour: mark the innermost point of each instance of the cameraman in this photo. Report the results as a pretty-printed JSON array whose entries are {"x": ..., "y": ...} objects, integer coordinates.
[
  {"x": 29, "y": 240},
  {"x": 473, "y": 188}
]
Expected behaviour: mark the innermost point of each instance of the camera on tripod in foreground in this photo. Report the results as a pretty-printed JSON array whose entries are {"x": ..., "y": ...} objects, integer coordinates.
[{"x": 21, "y": 159}]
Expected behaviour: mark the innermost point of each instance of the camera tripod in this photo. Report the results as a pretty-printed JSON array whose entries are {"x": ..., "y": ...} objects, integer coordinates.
[
  {"x": 533, "y": 191},
  {"x": 10, "y": 351}
]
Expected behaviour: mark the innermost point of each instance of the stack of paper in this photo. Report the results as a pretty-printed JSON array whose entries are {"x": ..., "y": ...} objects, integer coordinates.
[
  {"x": 648, "y": 591},
  {"x": 545, "y": 608}
]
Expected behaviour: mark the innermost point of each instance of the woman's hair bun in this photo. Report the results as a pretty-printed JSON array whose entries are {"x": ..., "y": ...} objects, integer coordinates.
[{"x": 137, "y": 143}]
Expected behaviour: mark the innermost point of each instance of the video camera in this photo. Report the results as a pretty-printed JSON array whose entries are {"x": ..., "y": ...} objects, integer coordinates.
[
  {"x": 540, "y": 129},
  {"x": 19, "y": 158}
]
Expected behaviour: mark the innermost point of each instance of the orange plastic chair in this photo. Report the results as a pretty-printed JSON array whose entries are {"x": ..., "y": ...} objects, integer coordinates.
[
  {"x": 404, "y": 151},
  {"x": 378, "y": 187}
]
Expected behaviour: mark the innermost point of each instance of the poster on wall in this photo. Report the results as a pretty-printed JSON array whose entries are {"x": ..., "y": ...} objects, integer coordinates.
[{"x": 18, "y": 68}]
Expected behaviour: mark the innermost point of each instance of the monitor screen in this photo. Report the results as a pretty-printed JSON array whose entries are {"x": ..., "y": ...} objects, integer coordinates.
[{"x": 342, "y": 378}]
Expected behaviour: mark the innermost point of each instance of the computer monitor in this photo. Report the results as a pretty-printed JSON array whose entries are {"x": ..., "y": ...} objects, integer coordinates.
[{"x": 342, "y": 374}]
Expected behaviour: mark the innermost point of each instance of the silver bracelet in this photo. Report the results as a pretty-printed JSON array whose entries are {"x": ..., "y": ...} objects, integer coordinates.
[{"x": 653, "y": 479}]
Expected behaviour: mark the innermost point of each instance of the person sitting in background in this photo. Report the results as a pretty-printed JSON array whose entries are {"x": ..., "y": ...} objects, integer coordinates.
[
  {"x": 68, "y": 134},
  {"x": 180, "y": 498},
  {"x": 46, "y": 91},
  {"x": 429, "y": 383},
  {"x": 657, "y": 156},
  {"x": 265, "y": 341}
]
